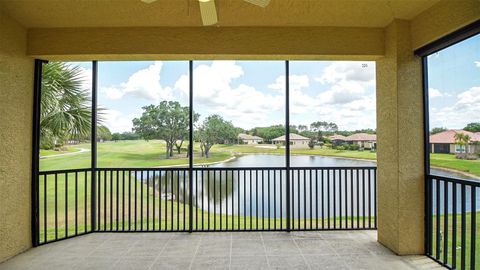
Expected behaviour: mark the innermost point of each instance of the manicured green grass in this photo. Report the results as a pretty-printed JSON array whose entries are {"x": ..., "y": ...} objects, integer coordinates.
[
  {"x": 449, "y": 161},
  {"x": 44, "y": 153},
  {"x": 457, "y": 244},
  {"x": 128, "y": 154}
]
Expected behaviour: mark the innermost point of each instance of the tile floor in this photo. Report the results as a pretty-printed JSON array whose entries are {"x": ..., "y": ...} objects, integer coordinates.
[{"x": 240, "y": 250}]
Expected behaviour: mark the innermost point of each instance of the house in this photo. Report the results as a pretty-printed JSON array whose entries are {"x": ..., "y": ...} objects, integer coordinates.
[
  {"x": 444, "y": 142},
  {"x": 296, "y": 141},
  {"x": 249, "y": 139},
  {"x": 337, "y": 139},
  {"x": 364, "y": 140}
]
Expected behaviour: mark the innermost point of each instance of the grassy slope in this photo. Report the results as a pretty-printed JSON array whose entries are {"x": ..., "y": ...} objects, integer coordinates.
[{"x": 449, "y": 161}]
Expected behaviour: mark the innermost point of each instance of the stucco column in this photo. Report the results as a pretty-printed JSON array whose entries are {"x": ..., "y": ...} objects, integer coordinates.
[{"x": 400, "y": 144}]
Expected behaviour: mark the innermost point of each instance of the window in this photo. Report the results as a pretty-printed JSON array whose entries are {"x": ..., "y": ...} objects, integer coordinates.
[{"x": 454, "y": 106}]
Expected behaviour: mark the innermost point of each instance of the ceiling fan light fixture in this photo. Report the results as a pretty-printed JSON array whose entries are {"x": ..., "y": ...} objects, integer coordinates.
[
  {"x": 260, "y": 3},
  {"x": 148, "y": 1},
  {"x": 208, "y": 12}
]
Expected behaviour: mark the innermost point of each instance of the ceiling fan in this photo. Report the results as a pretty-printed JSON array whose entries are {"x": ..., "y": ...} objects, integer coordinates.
[{"x": 208, "y": 10}]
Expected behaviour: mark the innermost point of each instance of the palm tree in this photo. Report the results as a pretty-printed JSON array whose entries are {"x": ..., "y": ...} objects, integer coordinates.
[
  {"x": 65, "y": 106},
  {"x": 462, "y": 139}
]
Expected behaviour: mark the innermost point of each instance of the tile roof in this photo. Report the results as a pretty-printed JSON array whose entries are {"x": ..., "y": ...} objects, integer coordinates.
[
  {"x": 293, "y": 136},
  {"x": 244, "y": 136},
  {"x": 361, "y": 137},
  {"x": 448, "y": 136}
]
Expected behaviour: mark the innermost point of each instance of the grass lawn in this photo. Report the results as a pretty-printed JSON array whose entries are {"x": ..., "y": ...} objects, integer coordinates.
[
  {"x": 457, "y": 245},
  {"x": 44, "y": 153},
  {"x": 449, "y": 161},
  {"x": 128, "y": 154}
]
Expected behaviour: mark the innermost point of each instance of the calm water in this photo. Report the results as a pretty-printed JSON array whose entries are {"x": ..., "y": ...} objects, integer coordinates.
[{"x": 263, "y": 192}]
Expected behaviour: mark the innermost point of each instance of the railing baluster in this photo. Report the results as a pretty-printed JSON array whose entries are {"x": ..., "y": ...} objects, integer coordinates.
[
  {"x": 464, "y": 228},
  {"x": 454, "y": 225},
  {"x": 135, "y": 200},
  {"x": 177, "y": 198},
  {"x": 263, "y": 200},
  {"x": 123, "y": 200},
  {"x": 328, "y": 198},
  {"x": 117, "y": 198},
  {"x": 334, "y": 180},
  {"x": 66, "y": 204},
  {"x": 351, "y": 199},
  {"x": 369, "y": 200},
  {"x": 148, "y": 199},
  {"x": 56, "y": 206},
  {"x": 340, "y": 198},
  {"x": 220, "y": 200},
  {"x": 281, "y": 198},
  {"x": 184, "y": 200},
  {"x": 363, "y": 198},
  {"x": 45, "y": 212},
  {"x": 111, "y": 200},
  {"x": 76, "y": 203},
  {"x": 473, "y": 224},
  {"x": 438, "y": 232},
  {"x": 323, "y": 199},
  {"x": 445, "y": 221},
  {"x": 304, "y": 200},
  {"x": 316, "y": 199}
]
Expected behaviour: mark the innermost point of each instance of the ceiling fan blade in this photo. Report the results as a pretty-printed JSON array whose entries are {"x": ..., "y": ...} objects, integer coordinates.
[
  {"x": 260, "y": 3},
  {"x": 148, "y": 1},
  {"x": 208, "y": 12}
]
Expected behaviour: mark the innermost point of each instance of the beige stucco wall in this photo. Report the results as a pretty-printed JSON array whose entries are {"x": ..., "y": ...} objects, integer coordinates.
[
  {"x": 16, "y": 97},
  {"x": 443, "y": 18},
  {"x": 400, "y": 144},
  {"x": 207, "y": 43}
]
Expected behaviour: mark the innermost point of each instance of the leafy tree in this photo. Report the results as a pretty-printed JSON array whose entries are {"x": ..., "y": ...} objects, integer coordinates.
[
  {"x": 103, "y": 133},
  {"x": 322, "y": 127},
  {"x": 214, "y": 130},
  {"x": 271, "y": 132},
  {"x": 125, "y": 136},
  {"x": 116, "y": 136},
  {"x": 302, "y": 128},
  {"x": 437, "y": 130},
  {"x": 311, "y": 143},
  {"x": 462, "y": 139},
  {"x": 65, "y": 106},
  {"x": 168, "y": 121},
  {"x": 473, "y": 127}
]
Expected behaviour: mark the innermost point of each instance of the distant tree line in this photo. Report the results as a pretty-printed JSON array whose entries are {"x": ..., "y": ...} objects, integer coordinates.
[{"x": 472, "y": 127}]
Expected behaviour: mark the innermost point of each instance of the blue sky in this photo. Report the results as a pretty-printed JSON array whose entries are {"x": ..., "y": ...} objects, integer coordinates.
[
  {"x": 248, "y": 93},
  {"x": 454, "y": 85}
]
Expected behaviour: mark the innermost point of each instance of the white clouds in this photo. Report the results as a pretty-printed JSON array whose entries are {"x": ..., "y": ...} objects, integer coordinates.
[
  {"x": 215, "y": 93},
  {"x": 434, "y": 93},
  {"x": 466, "y": 109},
  {"x": 342, "y": 93},
  {"x": 117, "y": 121},
  {"x": 477, "y": 63},
  {"x": 349, "y": 71},
  {"x": 144, "y": 84}
]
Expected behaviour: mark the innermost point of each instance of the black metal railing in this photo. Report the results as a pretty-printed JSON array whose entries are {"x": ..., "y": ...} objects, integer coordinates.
[
  {"x": 221, "y": 199},
  {"x": 452, "y": 222}
]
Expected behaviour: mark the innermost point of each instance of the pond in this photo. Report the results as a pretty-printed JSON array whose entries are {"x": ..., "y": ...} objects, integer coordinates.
[{"x": 263, "y": 192}]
